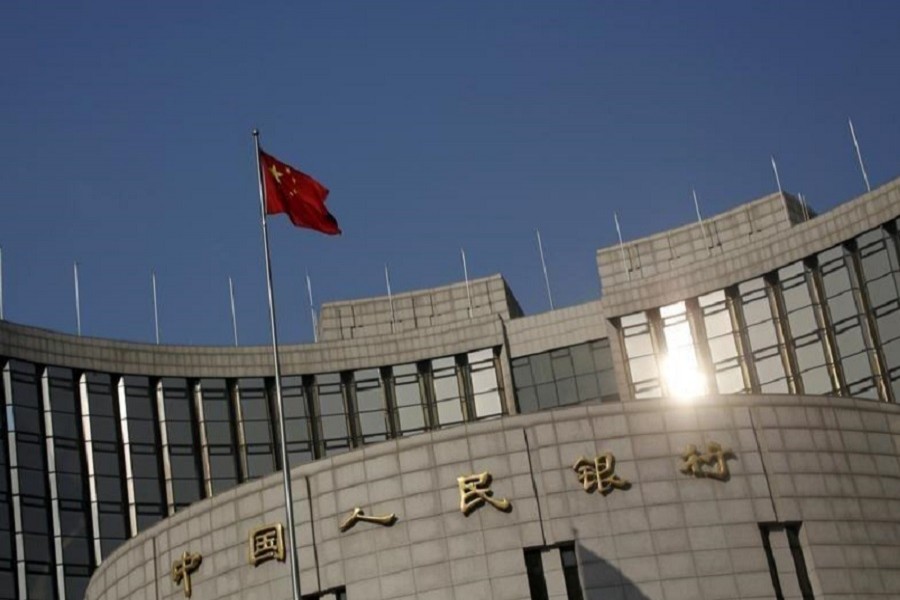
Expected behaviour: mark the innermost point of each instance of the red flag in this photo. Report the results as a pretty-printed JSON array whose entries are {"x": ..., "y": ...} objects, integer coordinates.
[{"x": 291, "y": 191}]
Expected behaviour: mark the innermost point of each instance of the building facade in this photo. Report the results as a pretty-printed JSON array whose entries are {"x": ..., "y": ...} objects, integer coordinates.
[{"x": 721, "y": 423}]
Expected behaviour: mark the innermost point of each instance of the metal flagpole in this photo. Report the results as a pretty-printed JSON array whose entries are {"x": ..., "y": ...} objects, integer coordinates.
[
  {"x": 466, "y": 275},
  {"x": 155, "y": 308},
  {"x": 285, "y": 458},
  {"x": 77, "y": 300},
  {"x": 233, "y": 314},
  {"x": 1, "y": 283},
  {"x": 700, "y": 220},
  {"x": 621, "y": 246},
  {"x": 777, "y": 178},
  {"x": 312, "y": 309},
  {"x": 862, "y": 167},
  {"x": 387, "y": 281},
  {"x": 544, "y": 267}
]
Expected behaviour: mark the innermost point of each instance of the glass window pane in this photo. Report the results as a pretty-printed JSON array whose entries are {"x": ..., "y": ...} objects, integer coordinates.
[
  {"x": 446, "y": 391},
  {"x": 485, "y": 387},
  {"x": 258, "y": 422},
  {"x": 182, "y": 442},
  {"x": 408, "y": 398},
  {"x": 297, "y": 425},
  {"x": 333, "y": 420},
  {"x": 370, "y": 404},
  {"x": 220, "y": 436}
]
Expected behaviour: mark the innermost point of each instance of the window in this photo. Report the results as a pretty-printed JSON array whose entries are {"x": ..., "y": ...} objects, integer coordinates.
[
  {"x": 183, "y": 445},
  {"x": 8, "y": 584},
  {"x": 806, "y": 333},
  {"x": 408, "y": 399},
  {"x": 878, "y": 257},
  {"x": 575, "y": 374},
  {"x": 143, "y": 443},
  {"x": 257, "y": 421},
  {"x": 762, "y": 336},
  {"x": 71, "y": 474},
  {"x": 370, "y": 406},
  {"x": 447, "y": 395},
  {"x": 485, "y": 386},
  {"x": 640, "y": 357},
  {"x": 777, "y": 539},
  {"x": 218, "y": 419},
  {"x": 854, "y": 351},
  {"x": 333, "y": 418},
  {"x": 563, "y": 573},
  {"x": 683, "y": 377},
  {"x": 722, "y": 343},
  {"x": 570, "y": 571},
  {"x": 537, "y": 584},
  {"x": 108, "y": 460},
  {"x": 296, "y": 421}
]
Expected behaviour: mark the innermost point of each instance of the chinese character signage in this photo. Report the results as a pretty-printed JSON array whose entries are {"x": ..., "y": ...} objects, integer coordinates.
[
  {"x": 475, "y": 490},
  {"x": 599, "y": 474},
  {"x": 266, "y": 543},
  {"x": 182, "y": 569},
  {"x": 710, "y": 464},
  {"x": 358, "y": 515}
]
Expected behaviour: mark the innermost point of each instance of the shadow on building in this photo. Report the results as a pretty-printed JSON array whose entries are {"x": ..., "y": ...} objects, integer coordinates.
[{"x": 602, "y": 581}]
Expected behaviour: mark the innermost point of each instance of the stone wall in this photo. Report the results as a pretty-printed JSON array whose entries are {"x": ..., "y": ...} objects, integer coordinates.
[
  {"x": 828, "y": 465},
  {"x": 763, "y": 235}
]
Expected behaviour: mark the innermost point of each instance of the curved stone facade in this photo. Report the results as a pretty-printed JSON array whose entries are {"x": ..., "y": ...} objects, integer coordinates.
[
  {"x": 821, "y": 472},
  {"x": 782, "y": 325}
]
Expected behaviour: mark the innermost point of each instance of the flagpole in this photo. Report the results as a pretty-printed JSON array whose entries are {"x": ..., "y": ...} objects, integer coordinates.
[
  {"x": 700, "y": 220},
  {"x": 233, "y": 314},
  {"x": 862, "y": 167},
  {"x": 312, "y": 309},
  {"x": 77, "y": 300},
  {"x": 544, "y": 267},
  {"x": 621, "y": 245},
  {"x": 285, "y": 458},
  {"x": 155, "y": 308},
  {"x": 1, "y": 283},
  {"x": 777, "y": 178},
  {"x": 387, "y": 281},
  {"x": 466, "y": 275}
]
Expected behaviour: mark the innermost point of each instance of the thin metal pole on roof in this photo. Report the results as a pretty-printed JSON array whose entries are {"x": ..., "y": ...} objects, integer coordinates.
[
  {"x": 777, "y": 178},
  {"x": 233, "y": 312},
  {"x": 387, "y": 281},
  {"x": 700, "y": 220},
  {"x": 285, "y": 457},
  {"x": 862, "y": 167},
  {"x": 312, "y": 309},
  {"x": 804, "y": 206},
  {"x": 155, "y": 308},
  {"x": 77, "y": 300},
  {"x": 1, "y": 283},
  {"x": 544, "y": 267},
  {"x": 621, "y": 246},
  {"x": 466, "y": 275}
]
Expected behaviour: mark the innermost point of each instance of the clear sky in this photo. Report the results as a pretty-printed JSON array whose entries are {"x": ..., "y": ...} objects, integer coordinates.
[{"x": 437, "y": 125}]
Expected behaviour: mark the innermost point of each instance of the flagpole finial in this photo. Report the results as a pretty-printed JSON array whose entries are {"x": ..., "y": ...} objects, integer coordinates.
[{"x": 255, "y": 132}]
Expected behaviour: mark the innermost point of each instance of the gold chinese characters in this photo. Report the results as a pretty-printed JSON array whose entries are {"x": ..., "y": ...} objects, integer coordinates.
[
  {"x": 599, "y": 474},
  {"x": 359, "y": 515},
  {"x": 697, "y": 464},
  {"x": 475, "y": 490},
  {"x": 266, "y": 543},
  {"x": 182, "y": 569}
]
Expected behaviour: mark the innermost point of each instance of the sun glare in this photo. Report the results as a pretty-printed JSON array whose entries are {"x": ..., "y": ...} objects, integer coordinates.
[{"x": 683, "y": 378}]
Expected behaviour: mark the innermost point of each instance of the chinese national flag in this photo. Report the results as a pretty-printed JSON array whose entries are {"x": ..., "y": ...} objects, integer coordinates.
[{"x": 291, "y": 191}]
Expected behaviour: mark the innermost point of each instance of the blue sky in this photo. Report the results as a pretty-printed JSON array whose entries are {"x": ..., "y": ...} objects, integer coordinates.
[{"x": 126, "y": 142}]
